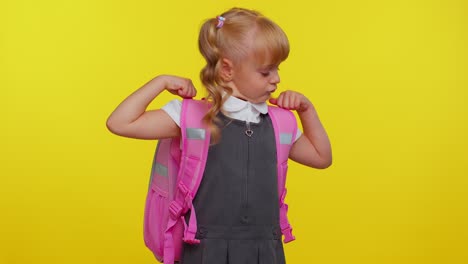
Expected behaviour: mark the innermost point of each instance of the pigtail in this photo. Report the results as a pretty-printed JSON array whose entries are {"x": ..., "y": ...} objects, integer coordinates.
[{"x": 210, "y": 77}]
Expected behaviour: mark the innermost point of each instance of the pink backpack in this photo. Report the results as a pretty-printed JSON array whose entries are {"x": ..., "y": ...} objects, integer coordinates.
[{"x": 176, "y": 174}]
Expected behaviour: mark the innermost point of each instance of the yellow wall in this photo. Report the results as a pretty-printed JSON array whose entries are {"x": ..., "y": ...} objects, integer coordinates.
[{"x": 389, "y": 80}]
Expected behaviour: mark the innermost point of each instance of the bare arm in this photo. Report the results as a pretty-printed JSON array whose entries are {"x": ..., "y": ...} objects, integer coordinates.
[
  {"x": 313, "y": 147},
  {"x": 131, "y": 119}
]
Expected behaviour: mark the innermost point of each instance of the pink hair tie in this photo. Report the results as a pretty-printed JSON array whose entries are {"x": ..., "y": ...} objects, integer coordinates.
[{"x": 220, "y": 21}]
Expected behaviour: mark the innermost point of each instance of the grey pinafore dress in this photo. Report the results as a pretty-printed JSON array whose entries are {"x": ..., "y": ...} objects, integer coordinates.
[{"x": 237, "y": 203}]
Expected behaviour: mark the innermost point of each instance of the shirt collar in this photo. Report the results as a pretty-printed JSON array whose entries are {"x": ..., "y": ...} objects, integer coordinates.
[{"x": 234, "y": 104}]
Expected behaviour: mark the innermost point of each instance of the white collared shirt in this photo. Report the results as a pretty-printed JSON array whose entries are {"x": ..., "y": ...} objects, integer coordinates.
[{"x": 233, "y": 107}]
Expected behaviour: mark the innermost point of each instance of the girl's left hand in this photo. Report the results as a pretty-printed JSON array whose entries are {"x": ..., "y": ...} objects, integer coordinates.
[{"x": 292, "y": 100}]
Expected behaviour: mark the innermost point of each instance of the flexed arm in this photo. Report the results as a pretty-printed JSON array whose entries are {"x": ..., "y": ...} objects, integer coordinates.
[
  {"x": 313, "y": 148},
  {"x": 131, "y": 119}
]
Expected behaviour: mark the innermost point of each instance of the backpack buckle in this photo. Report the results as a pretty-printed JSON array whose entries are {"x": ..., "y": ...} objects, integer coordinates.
[
  {"x": 185, "y": 192},
  {"x": 175, "y": 210}
]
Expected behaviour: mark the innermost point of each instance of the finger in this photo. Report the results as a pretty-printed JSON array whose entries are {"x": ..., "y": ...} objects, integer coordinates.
[
  {"x": 297, "y": 102},
  {"x": 183, "y": 92},
  {"x": 193, "y": 90},
  {"x": 273, "y": 101},
  {"x": 287, "y": 100},
  {"x": 279, "y": 100},
  {"x": 293, "y": 101},
  {"x": 185, "y": 89},
  {"x": 282, "y": 100}
]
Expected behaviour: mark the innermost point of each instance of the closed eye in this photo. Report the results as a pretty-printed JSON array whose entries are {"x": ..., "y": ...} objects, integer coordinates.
[{"x": 266, "y": 72}]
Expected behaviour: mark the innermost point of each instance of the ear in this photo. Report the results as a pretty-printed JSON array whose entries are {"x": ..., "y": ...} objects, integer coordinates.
[{"x": 227, "y": 70}]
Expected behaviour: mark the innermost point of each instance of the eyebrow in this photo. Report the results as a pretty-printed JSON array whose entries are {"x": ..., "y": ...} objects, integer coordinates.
[{"x": 268, "y": 67}]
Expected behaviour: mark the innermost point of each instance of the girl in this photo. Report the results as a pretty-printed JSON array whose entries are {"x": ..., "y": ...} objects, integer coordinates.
[{"x": 237, "y": 202}]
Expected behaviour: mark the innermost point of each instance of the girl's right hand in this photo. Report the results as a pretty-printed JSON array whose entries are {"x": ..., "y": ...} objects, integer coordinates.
[
  {"x": 132, "y": 119},
  {"x": 180, "y": 86}
]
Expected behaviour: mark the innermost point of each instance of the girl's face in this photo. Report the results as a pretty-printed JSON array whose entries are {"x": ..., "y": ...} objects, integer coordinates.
[{"x": 254, "y": 82}]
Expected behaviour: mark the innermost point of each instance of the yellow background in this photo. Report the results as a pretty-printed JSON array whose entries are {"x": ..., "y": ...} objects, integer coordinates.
[{"x": 389, "y": 79}]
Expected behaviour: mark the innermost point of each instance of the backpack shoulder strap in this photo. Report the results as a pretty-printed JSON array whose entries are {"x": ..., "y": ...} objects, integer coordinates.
[
  {"x": 195, "y": 145},
  {"x": 195, "y": 142},
  {"x": 285, "y": 127}
]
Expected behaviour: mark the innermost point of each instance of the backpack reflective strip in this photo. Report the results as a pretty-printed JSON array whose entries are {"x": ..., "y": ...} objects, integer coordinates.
[
  {"x": 195, "y": 133},
  {"x": 286, "y": 138},
  {"x": 161, "y": 169}
]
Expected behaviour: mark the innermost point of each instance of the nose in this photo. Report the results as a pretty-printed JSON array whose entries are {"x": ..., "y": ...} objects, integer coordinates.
[{"x": 275, "y": 78}]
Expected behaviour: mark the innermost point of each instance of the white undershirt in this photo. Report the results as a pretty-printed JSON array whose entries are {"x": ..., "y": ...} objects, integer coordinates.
[{"x": 233, "y": 107}]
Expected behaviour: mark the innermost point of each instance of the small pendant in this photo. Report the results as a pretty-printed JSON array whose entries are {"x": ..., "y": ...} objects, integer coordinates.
[{"x": 248, "y": 131}]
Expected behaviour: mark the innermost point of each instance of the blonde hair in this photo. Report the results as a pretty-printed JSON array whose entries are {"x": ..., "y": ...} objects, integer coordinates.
[{"x": 243, "y": 33}]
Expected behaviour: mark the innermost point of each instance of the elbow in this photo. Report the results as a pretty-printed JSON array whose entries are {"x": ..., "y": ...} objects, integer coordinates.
[
  {"x": 323, "y": 164},
  {"x": 326, "y": 164},
  {"x": 326, "y": 160},
  {"x": 112, "y": 126}
]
